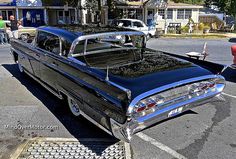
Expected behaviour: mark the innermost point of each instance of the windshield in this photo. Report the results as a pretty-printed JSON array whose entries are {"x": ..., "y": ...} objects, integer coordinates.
[{"x": 122, "y": 23}]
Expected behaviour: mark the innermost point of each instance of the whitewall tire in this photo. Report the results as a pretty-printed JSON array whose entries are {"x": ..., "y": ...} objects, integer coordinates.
[{"x": 74, "y": 107}]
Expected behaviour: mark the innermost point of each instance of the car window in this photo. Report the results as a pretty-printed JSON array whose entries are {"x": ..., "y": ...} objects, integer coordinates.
[
  {"x": 79, "y": 47},
  {"x": 137, "y": 24},
  {"x": 65, "y": 47},
  {"x": 123, "y": 23},
  {"x": 48, "y": 42}
]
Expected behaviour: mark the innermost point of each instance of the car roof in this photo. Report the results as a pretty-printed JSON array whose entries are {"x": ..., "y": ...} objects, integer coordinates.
[
  {"x": 71, "y": 36},
  {"x": 71, "y": 33},
  {"x": 133, "y": 20}
]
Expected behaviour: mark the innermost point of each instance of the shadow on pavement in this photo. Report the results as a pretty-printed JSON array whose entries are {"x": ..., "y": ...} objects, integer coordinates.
[
  {"x": 78, "y": 127},
  {"x": 232, "y": 40}
]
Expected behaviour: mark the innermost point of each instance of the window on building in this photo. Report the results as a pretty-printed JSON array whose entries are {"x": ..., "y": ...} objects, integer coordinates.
[
  {"x": 184, "y": 13},
  {"x": 4, "y": 15},
  {"x": 170, "y": 14},
  {"x": 161, "y": 12},
  {"x": 10, "y": 13},
  {"x": 60, "y": 15},
  {"x": 67, "y": 17},
  {"x": 188, "y": 13},
  {"x": 180, "y": 14},
  {"x": 135, "y": 14}
]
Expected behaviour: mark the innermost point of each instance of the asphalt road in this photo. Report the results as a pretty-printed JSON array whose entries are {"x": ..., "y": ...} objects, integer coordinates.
[{"x": 206, "y": 132}]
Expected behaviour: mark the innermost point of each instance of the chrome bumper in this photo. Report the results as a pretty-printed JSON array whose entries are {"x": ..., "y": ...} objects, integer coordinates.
[{"x": 134, "y": 125}]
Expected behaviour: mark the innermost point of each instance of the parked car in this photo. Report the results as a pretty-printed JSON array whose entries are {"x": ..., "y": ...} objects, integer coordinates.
[
  {"x": 134, "y": 24},
  {"x": 122, "y": 88},
  {"x": 26, "y": 32}
]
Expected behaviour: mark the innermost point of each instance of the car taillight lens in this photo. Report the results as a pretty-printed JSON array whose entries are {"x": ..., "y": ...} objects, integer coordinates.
[
  {"x": 201, "y": 88},
  {"x": 148, "y": 103},
  {"x": 175, "y": 95}
]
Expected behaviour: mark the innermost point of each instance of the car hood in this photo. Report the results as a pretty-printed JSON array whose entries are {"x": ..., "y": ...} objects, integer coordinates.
[{"x": 150, "y": 70}]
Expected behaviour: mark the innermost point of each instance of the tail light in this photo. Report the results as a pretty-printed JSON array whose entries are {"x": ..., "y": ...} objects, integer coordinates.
[
  {"x": 175, "y": 95},
  {"x": 148, "y": 103}
]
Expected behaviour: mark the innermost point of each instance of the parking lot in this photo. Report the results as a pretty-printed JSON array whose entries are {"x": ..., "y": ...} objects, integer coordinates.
[{"x": 206, "y": 132}]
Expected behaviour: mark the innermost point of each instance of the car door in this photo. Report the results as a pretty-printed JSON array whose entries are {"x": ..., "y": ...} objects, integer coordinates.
[
  {"x": 50, "y": 48},
  {"x": 140, "y": 27},
  {"x": 24, "y": 54}
]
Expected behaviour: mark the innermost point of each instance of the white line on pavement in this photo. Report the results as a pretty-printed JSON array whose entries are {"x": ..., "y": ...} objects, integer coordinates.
[
  {"x": 228, "y": 95},
  {"x": 160, "y": 146}
]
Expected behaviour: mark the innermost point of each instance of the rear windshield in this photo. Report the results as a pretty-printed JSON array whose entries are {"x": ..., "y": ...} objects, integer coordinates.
[
  {"x": 116, "y": 42},
  {"x": 109, "y": 50}
]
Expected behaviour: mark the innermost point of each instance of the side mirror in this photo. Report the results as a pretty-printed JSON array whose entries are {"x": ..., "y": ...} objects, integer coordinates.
[{"x": 233, "y": 48}]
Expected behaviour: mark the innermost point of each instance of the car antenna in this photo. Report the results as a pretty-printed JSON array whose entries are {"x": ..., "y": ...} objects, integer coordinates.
[{"x": 107, "y": 75}]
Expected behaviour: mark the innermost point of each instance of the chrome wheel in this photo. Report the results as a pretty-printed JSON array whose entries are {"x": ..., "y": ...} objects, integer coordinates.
[
  {"x": 148, "y": 36},
  {"x": 123, "y": 40},
  {"x": 21, "y": 69},
  {"x": 74, "y": 108}
]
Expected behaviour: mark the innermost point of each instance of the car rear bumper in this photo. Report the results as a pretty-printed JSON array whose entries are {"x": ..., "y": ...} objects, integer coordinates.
[{"x": 132, "y": 126}]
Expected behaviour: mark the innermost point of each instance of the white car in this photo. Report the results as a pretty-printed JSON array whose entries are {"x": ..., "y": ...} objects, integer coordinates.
[{"x": 134, "y": 24}]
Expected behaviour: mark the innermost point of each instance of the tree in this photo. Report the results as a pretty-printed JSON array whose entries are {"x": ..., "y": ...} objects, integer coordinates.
[{"x": 227, "y": 6}]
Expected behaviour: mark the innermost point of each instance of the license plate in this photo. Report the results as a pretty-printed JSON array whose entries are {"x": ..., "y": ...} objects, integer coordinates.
[{"x": 175, "y": 112}]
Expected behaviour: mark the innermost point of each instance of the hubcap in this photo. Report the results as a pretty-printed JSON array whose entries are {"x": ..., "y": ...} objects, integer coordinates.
[{"x": 74, "y": 107}]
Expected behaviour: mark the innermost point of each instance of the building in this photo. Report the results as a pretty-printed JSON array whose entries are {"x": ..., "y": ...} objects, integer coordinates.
[
  {"x": 151, "y": 10},
  {"x": 34, "y": 13}
]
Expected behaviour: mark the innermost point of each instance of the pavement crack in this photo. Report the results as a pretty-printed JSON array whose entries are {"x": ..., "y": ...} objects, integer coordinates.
[{"x": 222, "y": 112}]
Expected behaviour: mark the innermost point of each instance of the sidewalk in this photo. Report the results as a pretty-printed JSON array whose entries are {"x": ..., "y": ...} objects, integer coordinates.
[{"x": 209, "y": 35}]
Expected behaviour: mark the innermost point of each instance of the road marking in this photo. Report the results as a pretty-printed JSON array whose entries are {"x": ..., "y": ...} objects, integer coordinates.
[
  {"x": 229, "y": 95},
  {"x": 160, "y": 146}
]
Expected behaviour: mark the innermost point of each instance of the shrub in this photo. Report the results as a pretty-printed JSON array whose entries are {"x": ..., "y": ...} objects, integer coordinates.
[
  {"x": 185, "y": 29},
  {"x": 206, "y": 27},
  {"x": 201, "y": 26}
]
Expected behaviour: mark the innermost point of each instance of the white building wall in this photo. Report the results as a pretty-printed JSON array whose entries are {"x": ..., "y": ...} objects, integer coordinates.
[{"x": 195, "y": 17}]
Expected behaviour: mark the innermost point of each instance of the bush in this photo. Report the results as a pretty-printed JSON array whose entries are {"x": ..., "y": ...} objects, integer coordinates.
[
  {"x": 185, "y": 29},
  {"x": 206, "y": 27},
  {"x": 201, "y": 26}
]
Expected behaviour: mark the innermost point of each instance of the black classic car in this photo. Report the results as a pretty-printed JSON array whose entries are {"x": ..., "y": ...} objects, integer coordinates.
[{"x": 122, "y": 87}]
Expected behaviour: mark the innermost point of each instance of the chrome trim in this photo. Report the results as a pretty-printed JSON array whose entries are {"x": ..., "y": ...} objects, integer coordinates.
[
  {"x": 72, "y": 59},
  {"x": 94, "y": 122},
  {"x": 92, "y": 36},
  {"x": 127, "y": 91},
  {"x": 165, "y": 87},
  {"x": 133, "y": 125}
]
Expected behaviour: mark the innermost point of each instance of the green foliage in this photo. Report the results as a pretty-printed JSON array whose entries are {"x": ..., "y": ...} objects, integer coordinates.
[
  {"x": 185, "y": 29},
  {"x": 201, "y": 26},
  {"x": 206, "y": 27},
  {"x": 91, "y": 5},
  {"x": 227, "y": 6}
]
